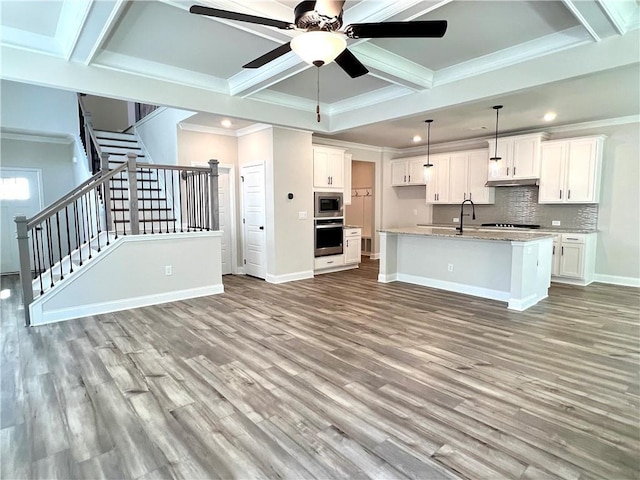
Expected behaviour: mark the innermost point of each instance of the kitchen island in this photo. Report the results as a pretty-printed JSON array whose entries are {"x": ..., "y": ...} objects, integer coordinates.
[{"x": 512, "y": 267}]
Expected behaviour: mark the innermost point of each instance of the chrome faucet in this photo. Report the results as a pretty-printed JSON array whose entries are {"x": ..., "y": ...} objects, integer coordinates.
[{"x": 462, "y": 214}]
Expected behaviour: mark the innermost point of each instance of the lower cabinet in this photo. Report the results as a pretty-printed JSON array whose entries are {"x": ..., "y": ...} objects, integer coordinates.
[
  {"x": 352, "y": 237},
  {"x": 574, "y": 258},
  {"x": 330, "y": 261}
]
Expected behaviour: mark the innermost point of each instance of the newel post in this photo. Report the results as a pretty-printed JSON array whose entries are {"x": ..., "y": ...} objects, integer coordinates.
[
  {"x": 106, "y": 192},
  {"x": 213, "y": 194},
  {"x": 134, "y": 219},
  {"x": 25, "y": 265}
]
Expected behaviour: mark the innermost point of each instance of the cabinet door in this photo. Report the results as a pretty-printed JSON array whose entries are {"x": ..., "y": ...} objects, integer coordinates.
[
  {"x": 581, "y": 171},
  {"x": 335, "y": 169},
  {"x": 552, "y": 168},
  {"x": 399, "y": 173},
  {"x": 438, "y": 181},
  {"x": 346, "y": 200},
  {"x": 572, "y": 260},
  {"x": 320, "y": 167},
  {"x": 525, "y": 162},
  {"x": 352, "y": 250},
  {"x": 476, "y": 178},
  {"x": 415, "y": 171},
  {"x": 458, "y": 164},
  {"x": 500, "y": 169},
  {"x": 555, "y": 265}
]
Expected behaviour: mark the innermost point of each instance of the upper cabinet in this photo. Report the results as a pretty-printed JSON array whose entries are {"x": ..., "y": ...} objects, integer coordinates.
[
  {"x": 328, "y": 168},
  {"x": 520, "y": 157},
  {"x": 570, "y": 170},
  {"x": 407, "y": 171},
  {"x": 467, "y": 177},
  {"x": 347, "y": 179},
  {"x": 438, "y": 179}
]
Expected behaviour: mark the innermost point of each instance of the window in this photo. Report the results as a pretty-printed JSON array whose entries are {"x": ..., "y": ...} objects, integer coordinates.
[{"x": 14, "y": 188}]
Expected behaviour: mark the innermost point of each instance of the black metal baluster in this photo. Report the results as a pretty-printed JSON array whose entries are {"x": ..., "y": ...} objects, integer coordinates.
[
  {"x": 107, "y": 206},
  {"x": 173, "y": 199},
  {"x": 198, "y": 194},
  {"x": 151, "y": 197},
  {"x": 77, "y": 228},
  {"x": 98, "y": 227},
  {"x": 180, "y": 194},
  {"x": 66, "y": 214},
  {"x": 59, "y": 245},
  {"x": 33, "y": 249},
  {"x": 166, "y": 198},
  {"x": 207, "y": 202},
  {"x": 36, "y": 230},
  {"x": 50, "y": 248},
  {"x": 202, "y": 204},
  {"x": 88, "y": 224},
  {"x": 187, "y": 196}
]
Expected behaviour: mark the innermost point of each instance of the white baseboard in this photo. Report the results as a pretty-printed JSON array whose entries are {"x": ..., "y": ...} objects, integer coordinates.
[
  {"x": 617, "y": 280},
  {"x": 455, "y": 287},
  {"x": 382, "y": 278},
  {"x": 374, "y": 256},
  {"x": 289, "y": 277},
  {"x": 521, "y": 305},
  {"x": 41, "y": 317},
  {"x": 339, "y": 268}
]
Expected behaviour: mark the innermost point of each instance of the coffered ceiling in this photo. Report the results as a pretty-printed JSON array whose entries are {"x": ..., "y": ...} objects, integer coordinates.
[{"x": 580, "y": 57}]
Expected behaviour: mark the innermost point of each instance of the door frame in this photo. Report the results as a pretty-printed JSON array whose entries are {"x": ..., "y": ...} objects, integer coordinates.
[
  {"x": 38, "y": 172},
  {"x": 231, "y": 170},
  {"x": 241, "y": 196}
]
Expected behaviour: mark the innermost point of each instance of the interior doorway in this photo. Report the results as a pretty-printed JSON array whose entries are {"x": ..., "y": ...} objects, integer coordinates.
[
  {"x": 361, "y": 212},
  {"x": 253, "y": 218}
]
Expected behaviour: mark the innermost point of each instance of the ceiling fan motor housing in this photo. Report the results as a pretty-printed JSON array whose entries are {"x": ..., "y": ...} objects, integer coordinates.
[{"x": 308, "y": 18}]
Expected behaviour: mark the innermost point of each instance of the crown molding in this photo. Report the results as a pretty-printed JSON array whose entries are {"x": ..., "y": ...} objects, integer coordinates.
[
  {"x": 608, "y": 122},
  {"x": 257, "y": 127},
  {"x": 29, "y": 41},
  {"x": 37, "y": 137},
  {"x": 70, "y": 24},
  {"x": 330, "y": 142},
  {"x": 107, "y": 27},
  {"x": 159, "y": 71},
  {"x": 291, "y": 101},
  {"x": 191, "y": 127},
  {"x": 370, "y": 98},
  {"x": 549, "y": 44}
]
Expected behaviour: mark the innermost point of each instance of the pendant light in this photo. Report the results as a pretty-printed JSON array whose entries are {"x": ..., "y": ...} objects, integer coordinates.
[
  {"x": 427, "y": 165},
  {"x": 495, "y": 157}
]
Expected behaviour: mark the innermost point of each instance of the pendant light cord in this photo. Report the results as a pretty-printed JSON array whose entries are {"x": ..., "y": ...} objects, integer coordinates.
[
  {"x": 318, "y": 94},
  {"x": 428, "y": 143},
  {"x": 495, "y": 153}
]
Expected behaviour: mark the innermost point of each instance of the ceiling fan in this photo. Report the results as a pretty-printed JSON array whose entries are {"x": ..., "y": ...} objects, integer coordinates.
[{"x": 322, "y": 41}]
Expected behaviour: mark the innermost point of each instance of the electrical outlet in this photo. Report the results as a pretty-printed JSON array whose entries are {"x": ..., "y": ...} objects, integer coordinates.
[
  {"x": 302, "y": 215},
  {"x": 450, "y": 267},
  {"x": 168, "y": 270},
  {"x": 415, "y": 211},
  {"x": 456, "y": 220},
  {"x": 555, "y": 223}
]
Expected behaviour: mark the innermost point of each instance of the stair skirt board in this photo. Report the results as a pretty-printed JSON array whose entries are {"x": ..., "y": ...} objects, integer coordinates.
[{"x": 195, "y": 259}]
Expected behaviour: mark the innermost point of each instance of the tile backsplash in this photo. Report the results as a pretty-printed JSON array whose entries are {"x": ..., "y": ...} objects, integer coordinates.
[{"x": 520, "y": 205}]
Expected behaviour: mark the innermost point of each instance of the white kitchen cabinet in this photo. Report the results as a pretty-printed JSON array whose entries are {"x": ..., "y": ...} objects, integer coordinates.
[
  {"x": 328, "y": 168},
  {"x": 520, "y": 157},
  {"x": 352, "y": 238},
  {"x": 438, "y": 180},
  {"x": 574, "y": 258},
  {"x": 407, "y": 171},
  {"x": 571, "y": 170},
  {"x": 467, "y": 177}
]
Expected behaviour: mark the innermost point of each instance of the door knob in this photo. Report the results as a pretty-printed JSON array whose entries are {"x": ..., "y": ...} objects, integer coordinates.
[{"x": 261, "y": 227}]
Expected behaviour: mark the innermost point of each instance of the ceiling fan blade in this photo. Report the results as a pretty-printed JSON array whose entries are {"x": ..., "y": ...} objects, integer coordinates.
[
  {"x": 269, "y": 56},
  {"x": 241, "y": 17},
  {"x": 350, "y": 64},
  {"x": 417, "y": 29}
]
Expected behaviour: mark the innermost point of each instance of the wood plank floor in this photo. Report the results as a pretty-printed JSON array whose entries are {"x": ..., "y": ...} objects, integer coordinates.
[{"x": 333, "y": 377}]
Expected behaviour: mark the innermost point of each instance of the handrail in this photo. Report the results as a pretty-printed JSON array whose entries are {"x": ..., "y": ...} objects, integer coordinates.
[
  {"x": 73, "y": 196},
  {"x": 173, "y": 167}
]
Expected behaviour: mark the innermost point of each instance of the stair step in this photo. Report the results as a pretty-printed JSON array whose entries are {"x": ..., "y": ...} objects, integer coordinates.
[
  {"x": 144, "y": 209},
  {"x": 163, "y": 221},
  {"x": 122, "y": 150},
  {"x": 115, "y": 179},
  {"x": 111, "y": 142},
  {"x": 152, "y": 189},
  {"x": 115, "y": 135}
]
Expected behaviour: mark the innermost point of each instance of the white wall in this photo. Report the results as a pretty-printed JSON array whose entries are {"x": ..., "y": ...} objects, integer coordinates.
[
  {"x": 54, "y": 159},
  {"x": 159, "y": 134},
  {"x": 107, "y": 113},
  {"x": 138, "y": 262},
  {"x": 292, "y": 173},
  {"x": 29, "y": 108}
]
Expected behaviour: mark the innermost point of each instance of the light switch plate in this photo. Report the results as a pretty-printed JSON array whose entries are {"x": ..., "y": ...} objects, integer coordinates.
[
  {"x": 456, "y": 220},
  {"x": 302, "y": 215},
  {"x": 555, "y": 223}
]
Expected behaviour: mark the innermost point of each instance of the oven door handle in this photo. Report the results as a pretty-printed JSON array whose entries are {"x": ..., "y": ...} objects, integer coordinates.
[{"x": 335, "y": 225}]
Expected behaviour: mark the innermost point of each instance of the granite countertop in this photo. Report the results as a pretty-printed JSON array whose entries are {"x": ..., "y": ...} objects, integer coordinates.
[
  {"x": 541, "y": 229},
  {"x": 499, "y": 235}
]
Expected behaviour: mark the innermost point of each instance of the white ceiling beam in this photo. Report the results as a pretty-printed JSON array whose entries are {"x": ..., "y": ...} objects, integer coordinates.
[
  {"x": 624, "y": 16},
  {"x": 592, "y": 17},
  {"x": 73, "y": 16}
]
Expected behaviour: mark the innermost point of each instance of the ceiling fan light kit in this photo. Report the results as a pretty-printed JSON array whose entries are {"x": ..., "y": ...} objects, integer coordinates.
[{"x": 318, "y": 46}]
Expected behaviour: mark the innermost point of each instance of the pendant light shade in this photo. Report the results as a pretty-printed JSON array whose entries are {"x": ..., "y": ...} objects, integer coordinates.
[
  {"x": 495, "y": 157},
  {"x": 318, "y": 47},
  {"x": 427, "y": 166}
]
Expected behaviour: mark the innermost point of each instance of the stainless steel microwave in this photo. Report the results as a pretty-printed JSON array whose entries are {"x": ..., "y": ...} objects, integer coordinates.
[{"x": 328, "y": 204}]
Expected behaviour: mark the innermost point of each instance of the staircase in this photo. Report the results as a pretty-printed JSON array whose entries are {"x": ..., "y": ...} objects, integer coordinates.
[{"x": 154, "y": 205}]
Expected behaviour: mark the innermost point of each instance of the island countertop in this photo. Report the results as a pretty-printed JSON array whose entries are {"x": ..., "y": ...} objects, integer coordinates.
[{"x": 471, "y": 234}]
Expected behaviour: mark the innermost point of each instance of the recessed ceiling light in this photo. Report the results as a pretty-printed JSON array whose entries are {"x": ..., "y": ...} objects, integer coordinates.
[
  {"x": 5, "y": 294},
  {"x": 226, "y": 123},
  {"x": 417, "y": 138},
  {"x": 549, "y": 116}
]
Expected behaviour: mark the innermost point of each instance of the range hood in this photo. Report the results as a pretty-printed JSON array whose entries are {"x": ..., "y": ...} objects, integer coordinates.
[{"x": 513, "y": 183}]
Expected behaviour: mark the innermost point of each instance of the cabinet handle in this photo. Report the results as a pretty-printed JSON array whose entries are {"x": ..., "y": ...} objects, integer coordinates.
[
  {"x": 571, "y": 238},
  {"x": 464, "y": 196},
  {"x": 507, "y": 171},
  {"x": 569, "y": 195},
  {"x": 347, "y": 243},
  {"x": 560, "y": 194},
  {"x": 561, "y": 250},
  {"x": 469, "y": 195},
  {"x": 438, "y": 197},
  {"x": 554, "y": 250},
  {"x": 409, "y": 178},
  {"x": 435, "y": 197},
  {"x": 514, "y": 171},
  {"x": 405, "y": 178}
]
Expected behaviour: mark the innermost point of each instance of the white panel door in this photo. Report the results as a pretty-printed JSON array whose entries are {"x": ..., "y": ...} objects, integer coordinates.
[
  {"x": 20, "y": 194},
  {"x": 253, "y": 215},
  {"x": 224, "y": 196}
]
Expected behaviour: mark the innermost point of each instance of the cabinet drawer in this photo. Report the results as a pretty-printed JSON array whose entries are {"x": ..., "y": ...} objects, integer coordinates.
[
  {"x": 351, "y": 232},
  {"x": 573, "y": 238},
  {"x": 329, "y": 261}
]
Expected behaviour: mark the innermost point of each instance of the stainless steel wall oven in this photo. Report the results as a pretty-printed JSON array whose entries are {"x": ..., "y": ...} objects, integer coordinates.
[{"x": 329, "y": 235}]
